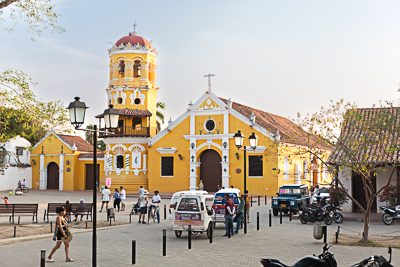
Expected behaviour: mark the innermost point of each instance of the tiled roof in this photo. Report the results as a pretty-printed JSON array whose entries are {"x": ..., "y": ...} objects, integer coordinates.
[
  {"x": 289, "y": 132},
  {"x": 81, "y": 144},
  {"x": 132, "y": 112},
  {"x": 90, "y": 155},
  {"x": 368, "y": 136}
]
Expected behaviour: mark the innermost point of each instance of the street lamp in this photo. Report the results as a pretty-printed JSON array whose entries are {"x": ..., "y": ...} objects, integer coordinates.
[
  {"x": 77, "y": 116},
  {"x": 253, "y": 139}
]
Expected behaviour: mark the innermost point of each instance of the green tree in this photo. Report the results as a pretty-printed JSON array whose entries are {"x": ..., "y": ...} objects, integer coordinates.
[
  {"x": 89, "y": 138},
  {"x": 160, "y": 115},
  {"x": 364, "y": 140}
]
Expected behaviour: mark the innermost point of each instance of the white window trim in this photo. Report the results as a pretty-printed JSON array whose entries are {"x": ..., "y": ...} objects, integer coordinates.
[
  {"x": 205, "y": 123},
  {"x": 166, "y": 150}
]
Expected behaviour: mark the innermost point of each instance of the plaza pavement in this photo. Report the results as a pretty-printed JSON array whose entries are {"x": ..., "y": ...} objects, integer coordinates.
[{"x": 287, "y": 242}]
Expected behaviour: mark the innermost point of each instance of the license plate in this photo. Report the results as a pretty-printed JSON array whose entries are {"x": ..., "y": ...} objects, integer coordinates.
[
  {"x": 283, "y": 205},
  {"x": 187, "y": 221}
]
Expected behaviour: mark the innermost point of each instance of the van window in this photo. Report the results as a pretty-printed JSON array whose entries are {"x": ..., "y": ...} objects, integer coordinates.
[
  {"x": 220, "y": 198},
  {"x": 188, "y": 204}
]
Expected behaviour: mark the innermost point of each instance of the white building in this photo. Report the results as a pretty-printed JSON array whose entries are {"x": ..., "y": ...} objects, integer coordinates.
[{"x": 16, "y": 172}]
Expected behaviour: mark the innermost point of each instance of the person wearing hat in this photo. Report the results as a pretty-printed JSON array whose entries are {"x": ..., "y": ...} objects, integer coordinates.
[
  {"x": 143, "y": 201},
  {"x": 156, "y": 201},
  {"x": 123, "y": 198}
]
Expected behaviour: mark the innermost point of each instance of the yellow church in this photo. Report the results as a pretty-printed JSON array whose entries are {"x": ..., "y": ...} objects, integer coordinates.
[{"x": 199, "y": 144}]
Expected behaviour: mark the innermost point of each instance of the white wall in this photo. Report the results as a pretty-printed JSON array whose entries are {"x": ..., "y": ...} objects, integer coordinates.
[
  {"x": 14, "y": 174},
  {"x": 382, "y": 177},
  {"x": 345, "y": 178}
]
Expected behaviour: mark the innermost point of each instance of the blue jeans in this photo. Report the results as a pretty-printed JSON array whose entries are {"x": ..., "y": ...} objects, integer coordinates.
[
  {"x": 158, "y": 215},
  {"x": 239, "y": 221},
  {"x": 227, "y": 224}
]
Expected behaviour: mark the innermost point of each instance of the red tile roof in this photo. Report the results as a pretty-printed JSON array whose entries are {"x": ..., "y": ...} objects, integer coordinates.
[
  {"x": 133, "y": 39},
  {"x": 289, "y": 131},
  {"x": 131, "y": 112},
  {"x": 369, "y": 136},
  {"x": 81, "y": 144}
]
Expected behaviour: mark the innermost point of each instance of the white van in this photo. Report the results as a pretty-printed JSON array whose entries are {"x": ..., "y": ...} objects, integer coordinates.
[
  {"x": 218, "y": 206},
  {"x": 175, "y": 197}
]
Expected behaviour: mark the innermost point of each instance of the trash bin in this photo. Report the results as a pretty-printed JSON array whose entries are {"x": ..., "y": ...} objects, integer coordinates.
[
  {"x": 110, "y": 213},
  {"x": 317, "y": 231}
]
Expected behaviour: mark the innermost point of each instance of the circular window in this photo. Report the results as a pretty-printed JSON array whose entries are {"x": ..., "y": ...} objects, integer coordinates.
[
  {"x": 119, "y": 100},
  {"x": 210, "y": 125},
  {"x": 137, "y": 101}
]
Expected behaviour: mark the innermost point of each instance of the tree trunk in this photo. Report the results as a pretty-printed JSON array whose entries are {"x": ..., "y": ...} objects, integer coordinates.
[{"x": 366, "y": 225}]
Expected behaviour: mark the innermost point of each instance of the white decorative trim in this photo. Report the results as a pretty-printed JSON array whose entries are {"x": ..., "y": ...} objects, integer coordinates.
[
  {"x": 137, "y": 93},
  {"x": 208, "y": 136},
  {"x": 167, "y": 150},
  {"x": 259, "y": 149},
  {"x": 47, "y": 135},
  {"x": 91, "y": 159},
  {"x": 52, "y": 155},
  {"x": 137, "y": 147},
  {"x": 126, "y": 140}
]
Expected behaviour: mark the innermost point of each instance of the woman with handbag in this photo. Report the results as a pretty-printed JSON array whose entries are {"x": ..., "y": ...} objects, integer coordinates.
[{"x": 61, "y": 234}]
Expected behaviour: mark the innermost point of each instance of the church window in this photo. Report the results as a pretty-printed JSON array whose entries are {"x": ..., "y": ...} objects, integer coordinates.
[
  {"x": 120, "y": 162},
  {"x": 136, "y": 69},
  {"x": 119, "y": 100},
  {"x": 209, "y": 125},
  {"x": 256, "y": 165},
  {"x": 167, "y": 166},
  {"x": 137, "y": 101},
  {"x": 121, "y": 69},
  {"x": 20, "y": 151}
]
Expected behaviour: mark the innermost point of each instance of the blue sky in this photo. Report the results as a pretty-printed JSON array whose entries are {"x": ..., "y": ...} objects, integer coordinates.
[{"x": 282, "y": 57}]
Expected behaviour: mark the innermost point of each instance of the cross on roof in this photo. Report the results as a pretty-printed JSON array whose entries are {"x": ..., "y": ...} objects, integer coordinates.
[
  {"x": 209, "y": 80},
  {"x": 134, "y": 26}
]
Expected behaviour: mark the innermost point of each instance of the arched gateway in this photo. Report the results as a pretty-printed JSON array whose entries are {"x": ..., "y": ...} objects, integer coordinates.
[{"x": 210, "y": 170}]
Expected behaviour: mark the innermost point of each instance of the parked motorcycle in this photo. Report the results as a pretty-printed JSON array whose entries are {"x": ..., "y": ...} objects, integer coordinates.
[
  {"x": 333, "y": 211},
  {"x": 390, "y": 214},
  {"x": 315, "y": 214},
  {"x": 377, "y": 261},
  {"x": 326, "y": 259}
]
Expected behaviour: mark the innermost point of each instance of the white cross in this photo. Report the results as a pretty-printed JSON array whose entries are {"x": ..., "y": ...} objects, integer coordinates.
[
  {"x": 134, "y": 26},
  {"x": 209, "y": 80}
]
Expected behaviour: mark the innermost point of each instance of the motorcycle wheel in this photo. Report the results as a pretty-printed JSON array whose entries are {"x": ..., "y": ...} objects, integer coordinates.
[
  {"x": 328, "y": 220},
  {"x": 337, "y": 217},
  {"x": 178, "y": 233},
  {"x": 303, "y": 221},
  {"x": 387, "y": 219}
]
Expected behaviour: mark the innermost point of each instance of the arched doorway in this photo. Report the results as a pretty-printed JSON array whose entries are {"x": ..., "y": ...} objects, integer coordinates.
[
  {"x": 210, "y": 170},
  {"x": 52, "y": 176}
]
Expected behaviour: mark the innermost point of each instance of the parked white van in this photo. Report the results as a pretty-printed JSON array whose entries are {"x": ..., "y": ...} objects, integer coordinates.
[{"x": 175, "y": 197}]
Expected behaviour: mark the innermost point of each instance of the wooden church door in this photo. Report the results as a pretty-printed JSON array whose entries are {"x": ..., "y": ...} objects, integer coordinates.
[
  {"x": 53, "y": 176},
  {"x": 211, "y": 170}
]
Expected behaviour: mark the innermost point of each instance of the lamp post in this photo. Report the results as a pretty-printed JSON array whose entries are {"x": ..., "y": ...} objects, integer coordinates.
[
  {"x": 77, "y": 110},
  {"x": 239, "y": 138}
]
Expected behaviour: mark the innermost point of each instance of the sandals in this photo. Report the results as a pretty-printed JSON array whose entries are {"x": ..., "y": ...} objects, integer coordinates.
[
  {"x": 70, "y": 260},
  {"x": 49, "y": 260}
]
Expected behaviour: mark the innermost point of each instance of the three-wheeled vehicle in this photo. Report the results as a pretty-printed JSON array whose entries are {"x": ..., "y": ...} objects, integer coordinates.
[{"x": 193, "y": 210}]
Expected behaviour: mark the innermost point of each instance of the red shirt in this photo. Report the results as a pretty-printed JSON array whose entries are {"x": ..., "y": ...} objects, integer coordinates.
[{"x": 228, "y": 203}]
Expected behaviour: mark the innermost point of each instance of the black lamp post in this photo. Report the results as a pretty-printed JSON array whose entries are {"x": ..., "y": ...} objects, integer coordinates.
[
  {"x": 239, "y": 138},
  {"x": 77, "y": 116}
]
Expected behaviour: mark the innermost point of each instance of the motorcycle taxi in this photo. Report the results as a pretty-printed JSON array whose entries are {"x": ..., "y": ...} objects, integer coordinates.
[{"x": 193, "y": 210}]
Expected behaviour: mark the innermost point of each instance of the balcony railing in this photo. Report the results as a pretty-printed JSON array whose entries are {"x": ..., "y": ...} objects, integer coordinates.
[{"x": 127, "y": 131}]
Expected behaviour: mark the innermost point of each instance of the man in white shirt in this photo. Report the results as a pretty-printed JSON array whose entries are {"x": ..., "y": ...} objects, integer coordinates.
[
  {"x": 156, "y": 201},
  {"x": 106, "y": 194},
  {"x": 141, "y": 191},
  {"x": 123, "y": 197}
]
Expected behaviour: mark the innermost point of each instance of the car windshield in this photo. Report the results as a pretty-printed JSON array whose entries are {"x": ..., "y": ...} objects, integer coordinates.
[
  {"x": 289, "y": 190},
  {"x": 220, "y": 199},
  {"x": 188, "y": 204},
  {"x": 323, "y": 190}
]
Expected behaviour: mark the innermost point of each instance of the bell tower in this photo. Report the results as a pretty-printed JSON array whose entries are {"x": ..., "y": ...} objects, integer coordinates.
[{"x": 132, "y": 87}]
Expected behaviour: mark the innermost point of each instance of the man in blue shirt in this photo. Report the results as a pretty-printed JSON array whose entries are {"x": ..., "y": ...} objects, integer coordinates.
[{"x": 240, "y": 212}]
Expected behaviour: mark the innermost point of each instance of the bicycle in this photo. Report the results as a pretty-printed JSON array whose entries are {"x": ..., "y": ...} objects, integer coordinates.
[
  {"x": 26, "y": 189},
  {"x": 151, "y": 214}
]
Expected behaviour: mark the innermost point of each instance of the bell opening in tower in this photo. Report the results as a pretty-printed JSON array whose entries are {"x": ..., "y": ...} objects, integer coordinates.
[
  {"x": 136, "y": 68},
  {"x": 121, "y": 69}
]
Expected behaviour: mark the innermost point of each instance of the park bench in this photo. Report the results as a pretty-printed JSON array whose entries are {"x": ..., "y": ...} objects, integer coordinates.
[
  {"x": 82, "y": 209},
  {"x": 12, "y": 210},
  {"x": 72, "y": 209}
]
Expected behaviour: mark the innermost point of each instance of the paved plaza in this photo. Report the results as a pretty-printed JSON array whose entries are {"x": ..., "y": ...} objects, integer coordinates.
[{"x": 287, "y": 242}]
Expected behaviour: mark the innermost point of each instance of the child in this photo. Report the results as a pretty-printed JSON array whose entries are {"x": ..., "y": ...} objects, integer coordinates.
[{"x": 5, "y": 200}]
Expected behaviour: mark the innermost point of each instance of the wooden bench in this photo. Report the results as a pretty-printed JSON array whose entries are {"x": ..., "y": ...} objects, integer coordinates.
[
  {"x": 51, "y": 210},
  {"x": 13, "y": 210},
  {"x": 82, "y": 209},
  {"x": 72, "y": 209}
]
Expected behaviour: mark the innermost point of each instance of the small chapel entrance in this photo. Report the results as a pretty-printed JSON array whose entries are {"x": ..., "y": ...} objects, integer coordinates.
[
  {"x": 53, "y": 179},
  {"x": 89, "y": 175},
  {"x": 210, "y": 170}
]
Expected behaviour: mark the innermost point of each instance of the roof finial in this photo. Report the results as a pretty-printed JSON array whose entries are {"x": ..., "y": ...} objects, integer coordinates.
[
  {"x": 134, "y": 28},
  {"x": 253, "y": 117},
  {"x": 209, "y": 81}
]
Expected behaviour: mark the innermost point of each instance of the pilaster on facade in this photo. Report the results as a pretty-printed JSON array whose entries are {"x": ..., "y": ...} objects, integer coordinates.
[
  {"x": 128, "y": 71},
  {"x": 193, "y": 175},
  {"x": 61, "y": 173},
  {"x": 43, "y": 172}
]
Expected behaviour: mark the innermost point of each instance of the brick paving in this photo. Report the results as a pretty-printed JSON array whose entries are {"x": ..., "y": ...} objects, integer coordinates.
[{"x": 287, "y": 242}]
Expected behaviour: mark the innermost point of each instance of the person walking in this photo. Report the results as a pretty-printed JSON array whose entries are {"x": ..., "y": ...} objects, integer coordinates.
[
  {"x": 240, "y": 212},
  {"x": 156, "y": 201},
  {"x": 60, "y": 232},
  {"x": 228, "y": 214},
  {"x": 123, "y": 197},
  {"x": 143, "y": 201},
  {"x": 248, "y": 204},
  {"x": 141, "y": 191},
  {"x": 106, "y": 194},
  {"x": 117, "y": 199}
]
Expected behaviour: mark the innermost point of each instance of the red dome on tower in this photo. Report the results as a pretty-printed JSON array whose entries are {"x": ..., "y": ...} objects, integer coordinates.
[{"x": 133, "y": 39}]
